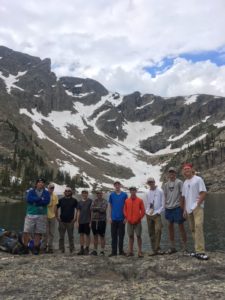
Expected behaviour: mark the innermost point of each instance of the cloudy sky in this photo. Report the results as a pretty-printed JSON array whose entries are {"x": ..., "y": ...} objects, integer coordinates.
[{"x": 157, "y": 46}]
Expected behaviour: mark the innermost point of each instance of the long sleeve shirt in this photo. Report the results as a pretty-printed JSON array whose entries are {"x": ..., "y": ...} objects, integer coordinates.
[{"x": 155, "y": 200}]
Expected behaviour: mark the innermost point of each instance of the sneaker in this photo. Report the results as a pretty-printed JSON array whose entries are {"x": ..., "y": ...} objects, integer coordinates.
[
  {"x": 81, "y": 252},
  {"x": 102, "y": 253},
  {"x": 201, "y": 256},
  {"x": 94, "y": 252},
  {"x": 192, "y": 254},
  {"x": 112, "y": 254}
]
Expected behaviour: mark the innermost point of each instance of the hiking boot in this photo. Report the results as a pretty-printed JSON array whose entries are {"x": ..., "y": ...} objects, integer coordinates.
[
  {"x": 86, "y": 251},
  {"x": 81, "y": 252},
  {"x": 36, "y": 250},
  {"x": 201, "y": 256},
  {"x": 123, "y": 253},
  {"x": 94, "y": 252},
  {"x": 112, "y": 254},
  {"x": 102, "y": 253}
]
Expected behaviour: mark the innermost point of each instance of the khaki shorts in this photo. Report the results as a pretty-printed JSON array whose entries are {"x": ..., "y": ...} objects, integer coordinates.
[
  {"x": 37, "y": 224},
  {"x": 131, "y": 228}
]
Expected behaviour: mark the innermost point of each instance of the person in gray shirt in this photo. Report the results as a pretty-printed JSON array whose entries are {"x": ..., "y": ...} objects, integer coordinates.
[
  {"x": 174, "y": 209},
  {"x": 84, "y": 222}
]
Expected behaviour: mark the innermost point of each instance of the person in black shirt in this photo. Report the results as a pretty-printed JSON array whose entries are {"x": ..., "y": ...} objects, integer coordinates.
[{"x": 66, "y": 219}]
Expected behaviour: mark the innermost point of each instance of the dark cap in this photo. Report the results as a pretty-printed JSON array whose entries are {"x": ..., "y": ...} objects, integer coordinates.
[
  {"x": 172, "y": 169},
  {"x": 40, "y": 180},
  {"x": 132, "y": 188}
]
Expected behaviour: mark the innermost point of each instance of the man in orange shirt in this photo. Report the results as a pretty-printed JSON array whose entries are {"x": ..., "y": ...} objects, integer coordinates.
[{"x": 134, "y": 211}]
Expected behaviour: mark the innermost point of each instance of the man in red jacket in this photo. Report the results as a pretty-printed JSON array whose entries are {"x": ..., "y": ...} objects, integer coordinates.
[{"x": 134, "y": 211}]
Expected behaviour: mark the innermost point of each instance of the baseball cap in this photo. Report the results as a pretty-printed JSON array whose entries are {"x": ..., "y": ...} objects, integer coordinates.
[
  {"x": 132, "y": 188},
  {"x": 117, "y": 181},
  {"x": 40, "y": 180},
  {"x": 150, "y": 179},
  {"x": 172, "y": 169},
  {"x": 51, "y": 185}
]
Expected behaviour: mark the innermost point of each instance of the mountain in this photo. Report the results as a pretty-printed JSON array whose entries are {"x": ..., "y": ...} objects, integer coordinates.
[{"x": 77, "y": 125}]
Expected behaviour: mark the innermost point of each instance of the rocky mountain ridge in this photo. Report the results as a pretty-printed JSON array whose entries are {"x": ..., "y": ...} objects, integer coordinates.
[{"x": 77, "y": 125}]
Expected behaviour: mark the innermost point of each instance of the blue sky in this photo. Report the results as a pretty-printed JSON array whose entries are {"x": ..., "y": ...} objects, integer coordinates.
[{"x": 217, "y": 57}]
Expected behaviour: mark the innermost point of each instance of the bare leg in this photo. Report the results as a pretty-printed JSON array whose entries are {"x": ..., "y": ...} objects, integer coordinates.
[
  {"x": 131, "y": 244},
  {"x": 37, "y": 239},
  {"x": 88, "y": 240},
  {"x": 139, "y": 242},
  {"x": 171, "y": 234},
  {"x": 82, "y": 240},
  {"x": 102, "y": 239},
  {"x": 26, "y": 238},
  {"x": 96, "y": 242}
]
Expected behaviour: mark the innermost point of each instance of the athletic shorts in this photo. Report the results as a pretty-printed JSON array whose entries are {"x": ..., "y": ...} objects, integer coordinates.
[
  {"x": 35, "y": 224},
  {"x": 84, "y": 228},
  {"x": 174, "y": 215},
  {"x": 131, "y": 228},
  {"x": 98, "y": 227}
]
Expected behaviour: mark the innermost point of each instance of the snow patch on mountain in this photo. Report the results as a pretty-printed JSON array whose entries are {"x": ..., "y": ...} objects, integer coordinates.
[
  {"x": 143, "y": 106},
  {"x": 60, "y": 120},
  {"x": 10, "y": 80},
  {"x": 191, "y": 99},
  {"x": 120, "y": 155},
  {"x": 137, "y": 131},
  {"x": 220, "y": 124}
]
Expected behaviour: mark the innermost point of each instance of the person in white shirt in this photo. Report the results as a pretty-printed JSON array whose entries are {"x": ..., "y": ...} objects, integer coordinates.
[
  {"x": 194, "y": 193},
  {"x": 154, "y": 206}
]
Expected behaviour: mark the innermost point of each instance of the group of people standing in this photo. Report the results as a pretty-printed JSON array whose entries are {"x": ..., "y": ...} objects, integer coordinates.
[{"x": 179, "y": 201}]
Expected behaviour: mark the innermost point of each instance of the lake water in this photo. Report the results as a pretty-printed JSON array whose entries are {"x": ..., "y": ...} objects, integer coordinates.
[{"x": 12, "y": 218}]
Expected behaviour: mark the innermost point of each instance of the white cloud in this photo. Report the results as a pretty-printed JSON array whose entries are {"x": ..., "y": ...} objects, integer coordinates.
[{"x": 105, "y": 39}]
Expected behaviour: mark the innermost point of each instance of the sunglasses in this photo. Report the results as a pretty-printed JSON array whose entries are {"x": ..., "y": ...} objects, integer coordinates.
[{"x": 51, "y": 188}]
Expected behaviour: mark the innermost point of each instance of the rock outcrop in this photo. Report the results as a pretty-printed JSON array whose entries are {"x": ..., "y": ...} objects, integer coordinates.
[{"x": 67, "y": 277}]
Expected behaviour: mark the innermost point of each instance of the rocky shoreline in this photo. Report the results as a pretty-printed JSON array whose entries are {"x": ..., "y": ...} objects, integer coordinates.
[
  {"x": 4, "y": 199},
  {"x": 70, "y": 277}
]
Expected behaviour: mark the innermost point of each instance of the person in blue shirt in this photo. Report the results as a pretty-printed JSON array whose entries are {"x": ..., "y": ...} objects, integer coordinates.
[
  {"x": 35, "y": 223},
  {"x": 117, "y": 220}
]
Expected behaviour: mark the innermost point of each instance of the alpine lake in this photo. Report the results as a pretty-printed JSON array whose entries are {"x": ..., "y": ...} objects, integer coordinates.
[{"x": 12, "y": 218}]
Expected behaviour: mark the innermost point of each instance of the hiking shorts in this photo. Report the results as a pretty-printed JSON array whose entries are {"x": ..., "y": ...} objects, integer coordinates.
[
  {"x": 98, "y": 227},
  {"x": 84, "y": 229},
  {"x": 174, "y": 215},
  {"x": 35, "y": 224},
  {"x": 131, "y": 228}
]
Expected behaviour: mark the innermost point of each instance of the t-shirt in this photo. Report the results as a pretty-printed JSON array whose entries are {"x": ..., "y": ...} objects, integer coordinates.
[
  {"x": 117, "y": 202},
  {"x": 191, "y": 189},
  {"x": 85, "y": 211},
  {"x": 51, "y": 207},
  {"x": 67, "y": 207},
  {"x": 172, "y": 191},
  {"x": 99, "y": 208}
]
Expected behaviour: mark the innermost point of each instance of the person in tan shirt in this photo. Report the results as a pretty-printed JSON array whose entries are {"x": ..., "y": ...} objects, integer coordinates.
[{"x": 48, "y": 238}]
